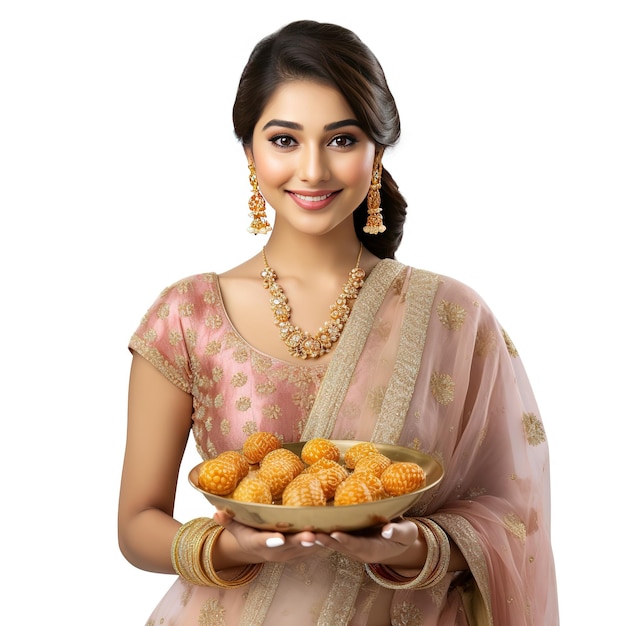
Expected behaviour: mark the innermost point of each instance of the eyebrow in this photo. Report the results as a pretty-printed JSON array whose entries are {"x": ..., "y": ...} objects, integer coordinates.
[{"x": 296, "y": 126}]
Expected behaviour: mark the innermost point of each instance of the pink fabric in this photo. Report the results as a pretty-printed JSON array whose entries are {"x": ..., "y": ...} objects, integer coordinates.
[{"x": 469, "y": 404}]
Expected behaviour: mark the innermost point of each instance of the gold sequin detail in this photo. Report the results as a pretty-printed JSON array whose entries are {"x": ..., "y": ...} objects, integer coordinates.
[
  {"x": 213, "y": 321},
  {"x": 212, "y": 613},
  {"x": 182, "y": 286},
  {"x": 474, "y": 492},
  {"x": 272, "y": 412},
  {"x": 406, "y": 614},
  {"x": 535, "y": 433},
  {"x": 239, "y": 379},
  {"x": 163, "y": 311},
  {"x": 266, "y": 388},
  {"x": 451, "y": 315},
  {"x": 185, "y": 309},
  {"x": 485, "y": 342},
  {"x": 213, "y": 348},
  {"x": 515, "y": 525},
  {"x": 210, "y": 297},
  {"x": 442, "y": 388},
  {"x": 509, "y": 344},
  {"x": 175, "y": 338},
  {"x": 375, "y": 399},
  {"x": 192, "y": 337},
  {"x": 150, "y": 335},
  {"x": 243, "y": 403}
]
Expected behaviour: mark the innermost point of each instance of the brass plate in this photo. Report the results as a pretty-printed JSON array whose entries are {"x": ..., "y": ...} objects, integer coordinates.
[{"x": 327, "y": 519}]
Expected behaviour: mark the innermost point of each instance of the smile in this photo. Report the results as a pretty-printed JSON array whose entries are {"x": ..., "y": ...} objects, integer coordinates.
[{"x": 312, "y": 198}]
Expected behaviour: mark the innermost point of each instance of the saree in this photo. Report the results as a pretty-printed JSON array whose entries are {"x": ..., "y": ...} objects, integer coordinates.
[{"x": 422, "y": 363}]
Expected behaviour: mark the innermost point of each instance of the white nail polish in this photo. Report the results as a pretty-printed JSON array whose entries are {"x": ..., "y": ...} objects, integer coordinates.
[
  {"x": 307, "y": 544},
  {"x": 275, "y": 542},
  {"x": 387, "y": 534}
]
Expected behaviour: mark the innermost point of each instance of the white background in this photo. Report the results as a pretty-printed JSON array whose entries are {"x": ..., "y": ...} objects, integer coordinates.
[{"x": 119, "y": 174}]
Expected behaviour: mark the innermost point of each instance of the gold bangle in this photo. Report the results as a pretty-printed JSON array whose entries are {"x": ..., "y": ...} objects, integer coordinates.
[
  {"x": 435, "y": 566},
  {"x": 245, "y": 577},
  {"x": 186, "y": 547},
  {"x": 441, "y": 569}
]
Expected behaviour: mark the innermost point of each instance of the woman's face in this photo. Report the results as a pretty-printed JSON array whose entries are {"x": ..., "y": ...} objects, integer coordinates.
[{"x": 313, "y": 160}]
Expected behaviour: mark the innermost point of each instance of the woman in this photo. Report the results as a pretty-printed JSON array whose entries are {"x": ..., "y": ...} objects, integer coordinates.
[{"x": 407, "y": 357}]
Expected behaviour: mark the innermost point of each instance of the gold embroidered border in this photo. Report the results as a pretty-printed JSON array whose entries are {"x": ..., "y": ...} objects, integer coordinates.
[
  {"x": 261, "y": 594},
  {"x": 466, "y": 539},
  {"x": 153, "y": 356},
  {"x": 419, "y": 301},
  {"x": 339, "y": 604},
  {"x": 336, "y": 381}
]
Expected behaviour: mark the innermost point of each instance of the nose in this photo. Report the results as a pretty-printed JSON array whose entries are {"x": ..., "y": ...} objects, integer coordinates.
[{"x": 313, "y": 165}]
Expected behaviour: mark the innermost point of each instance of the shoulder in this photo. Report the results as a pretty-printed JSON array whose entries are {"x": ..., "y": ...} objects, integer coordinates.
[
  {"x": 184, "y": 298},
  {"x": 451, "y": 294}
]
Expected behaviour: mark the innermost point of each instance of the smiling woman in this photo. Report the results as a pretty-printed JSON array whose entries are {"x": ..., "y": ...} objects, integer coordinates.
[
  {"x": 313, "y": 160},
  {"x": 405, "y": 357}
]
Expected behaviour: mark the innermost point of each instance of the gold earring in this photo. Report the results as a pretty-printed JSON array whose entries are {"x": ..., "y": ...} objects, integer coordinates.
[
  {"x": 256, "y": 204},
  {"x": 374, "y": 224}
]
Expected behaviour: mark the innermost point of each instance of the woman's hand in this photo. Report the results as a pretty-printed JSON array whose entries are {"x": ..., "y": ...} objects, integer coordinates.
[
  {"x": 397, "y": 544},
  {"x": 243, "y": 545}
]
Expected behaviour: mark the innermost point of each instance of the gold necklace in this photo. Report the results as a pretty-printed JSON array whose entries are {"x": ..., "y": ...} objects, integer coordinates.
[{"x": 301, "y": 343}]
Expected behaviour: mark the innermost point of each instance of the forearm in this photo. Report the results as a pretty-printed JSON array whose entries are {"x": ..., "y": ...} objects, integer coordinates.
[{"x": 146, "y": 540}]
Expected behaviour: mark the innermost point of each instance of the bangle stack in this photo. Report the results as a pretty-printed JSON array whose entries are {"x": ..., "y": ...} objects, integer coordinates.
[
  {"x": 435, "y": 567},
  {"x": 192, "y": 556}
]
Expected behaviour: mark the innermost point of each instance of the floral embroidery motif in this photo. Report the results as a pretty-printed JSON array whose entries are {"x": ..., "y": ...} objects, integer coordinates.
[
  {"x": 272, "y": 412},
  {"x": 163, "y": 311},
  {"x": 249, "y": 428},
  {"x": 266, "y": 388},
  {"x": 406, "y": 614},
  {"x": 183, "y": 286},
  {"x": 509, "y": 344},
  {"x": 515, "y": 526},
  {"x": 150, "y": 335},
  {"x": 185, "y": 309},
  {"x": 213, "y": 321},
  {"x": 442, "y": 388},
  {"x": 175, "y": 338},
  {"x": 192, "y": 337},
  {"x": 243, "y": 403},
  {"x": 239, "y": 379},
  {"x": 485, "y": 342},
  {"x": 451, "y": 315},
  {"x": 213, "y": 348},
  {"x": 535, "y": 433},
  {"x": 210, "y": 297},
  {"x": 375, "y": 399},
  {"x": 212, "y": 613}
]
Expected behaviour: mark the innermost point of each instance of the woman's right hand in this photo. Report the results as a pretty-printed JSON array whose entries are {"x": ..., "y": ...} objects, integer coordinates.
[{"x": 241, "y": 545}]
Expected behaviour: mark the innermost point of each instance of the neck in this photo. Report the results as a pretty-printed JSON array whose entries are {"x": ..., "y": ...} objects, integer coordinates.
[{"x": 318, "y": 254}]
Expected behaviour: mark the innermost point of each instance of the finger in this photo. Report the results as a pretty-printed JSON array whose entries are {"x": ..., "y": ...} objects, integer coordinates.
[{"x": 404, "y": 533}]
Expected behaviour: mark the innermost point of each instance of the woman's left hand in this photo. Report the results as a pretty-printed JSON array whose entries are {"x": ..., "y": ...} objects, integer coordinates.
[{"x": 388, "y": 544}]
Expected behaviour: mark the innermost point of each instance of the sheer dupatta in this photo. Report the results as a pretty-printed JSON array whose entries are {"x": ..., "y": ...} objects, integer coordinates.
[{"x": 424, "y": 363}]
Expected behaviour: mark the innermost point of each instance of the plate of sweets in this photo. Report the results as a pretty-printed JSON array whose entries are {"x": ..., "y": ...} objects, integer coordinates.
[{"x": 321, "y": 485}]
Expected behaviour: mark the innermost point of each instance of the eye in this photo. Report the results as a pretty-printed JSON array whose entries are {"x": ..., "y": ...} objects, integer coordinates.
[
  {"x": 342, "y": 141},
  {"x": 283, "y": 141}
]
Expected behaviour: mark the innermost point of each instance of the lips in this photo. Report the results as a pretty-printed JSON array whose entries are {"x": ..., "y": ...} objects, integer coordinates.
[{"x": 313, "y": 201}]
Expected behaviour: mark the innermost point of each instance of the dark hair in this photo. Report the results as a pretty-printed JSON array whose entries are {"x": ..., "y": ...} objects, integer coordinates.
[{"x": 335, "y": 56}]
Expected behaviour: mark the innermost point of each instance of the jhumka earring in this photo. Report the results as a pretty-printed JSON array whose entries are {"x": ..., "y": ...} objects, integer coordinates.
[
  {"x": 256, "y": 204},
  {"x": 374, "y": 224}
]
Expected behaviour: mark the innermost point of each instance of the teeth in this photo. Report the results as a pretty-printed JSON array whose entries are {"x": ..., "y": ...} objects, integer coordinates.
[{"x": 312, "y": 198}]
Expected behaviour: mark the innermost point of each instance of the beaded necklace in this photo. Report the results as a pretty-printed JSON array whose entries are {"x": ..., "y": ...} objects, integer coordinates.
[{"x": 300, "y": 343}]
